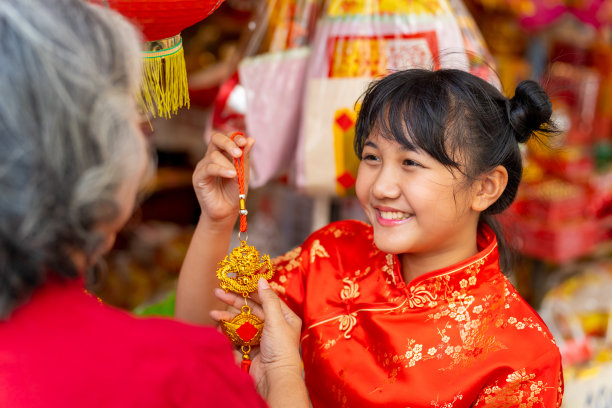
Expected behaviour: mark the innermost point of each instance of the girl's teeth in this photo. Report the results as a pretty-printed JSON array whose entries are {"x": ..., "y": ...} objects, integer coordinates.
[{"x": 388, "y": 215}]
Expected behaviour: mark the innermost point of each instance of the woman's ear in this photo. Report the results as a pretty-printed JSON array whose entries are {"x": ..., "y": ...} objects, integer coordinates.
[{"x": 489, "y": 187}]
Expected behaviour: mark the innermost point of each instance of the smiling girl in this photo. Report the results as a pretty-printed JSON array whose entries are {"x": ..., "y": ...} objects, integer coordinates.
[{"x": 412, "y": 309}]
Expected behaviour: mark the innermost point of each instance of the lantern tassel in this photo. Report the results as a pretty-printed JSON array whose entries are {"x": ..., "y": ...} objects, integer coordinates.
[{"x": 164, "y": 81}]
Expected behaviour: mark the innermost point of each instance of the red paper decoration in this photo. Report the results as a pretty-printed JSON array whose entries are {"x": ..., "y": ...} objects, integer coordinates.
[
  {"x": 164, "y": 87},
  {"x": 164, "y": 18}
]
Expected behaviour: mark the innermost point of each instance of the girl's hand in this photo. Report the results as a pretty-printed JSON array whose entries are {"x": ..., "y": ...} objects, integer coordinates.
[
  {"x": 277, "y": 356},
  {"x": 215, "y": 180}
]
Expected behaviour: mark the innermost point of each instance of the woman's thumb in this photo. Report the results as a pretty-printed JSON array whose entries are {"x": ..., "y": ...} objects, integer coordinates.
[{"x": 269, "y": 301}]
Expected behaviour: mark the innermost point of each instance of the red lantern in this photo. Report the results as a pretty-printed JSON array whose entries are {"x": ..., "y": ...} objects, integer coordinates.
[{"x": 161, "y": 21}]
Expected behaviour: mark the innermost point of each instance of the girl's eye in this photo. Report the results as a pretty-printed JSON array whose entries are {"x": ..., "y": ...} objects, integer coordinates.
[
  {"x": 409, "y": 162},
  {"x": 369, "y": 157}
]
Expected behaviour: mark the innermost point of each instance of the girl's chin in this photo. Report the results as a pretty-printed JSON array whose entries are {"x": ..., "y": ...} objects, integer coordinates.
[{"x": 391, "y": 246}]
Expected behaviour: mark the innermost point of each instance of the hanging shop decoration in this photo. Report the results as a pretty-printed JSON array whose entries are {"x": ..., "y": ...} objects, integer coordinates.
[
  {"x": 239, "y": 272},
  {"x": 164, "y": 84}
]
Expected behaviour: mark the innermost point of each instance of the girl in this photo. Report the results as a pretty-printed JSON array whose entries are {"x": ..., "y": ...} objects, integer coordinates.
[
  {"x": 72, "y": 161},
  {"x": 412, "y": 309}
]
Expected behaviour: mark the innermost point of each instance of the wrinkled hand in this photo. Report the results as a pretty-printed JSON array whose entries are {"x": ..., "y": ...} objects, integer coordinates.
[
  {"x": 278, "y": 352},
  {"x": 215, "y": 179}
]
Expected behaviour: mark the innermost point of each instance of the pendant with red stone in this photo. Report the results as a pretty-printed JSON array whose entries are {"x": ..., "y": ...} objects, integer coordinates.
[{"x": 244, "y": 330}]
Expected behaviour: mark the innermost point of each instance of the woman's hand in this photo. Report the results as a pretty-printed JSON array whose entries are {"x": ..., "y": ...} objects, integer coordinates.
[
  {"x": 276, "y": 364},
  {"x": 215, "y": 179}
]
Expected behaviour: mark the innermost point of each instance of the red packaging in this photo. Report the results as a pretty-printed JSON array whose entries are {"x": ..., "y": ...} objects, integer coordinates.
[
  {"x": 554, "y": 242},
  {"x": 552, "y": 201}
]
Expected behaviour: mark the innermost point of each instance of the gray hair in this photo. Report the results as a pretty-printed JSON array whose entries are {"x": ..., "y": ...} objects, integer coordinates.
[{"x": 69, "y": 71}]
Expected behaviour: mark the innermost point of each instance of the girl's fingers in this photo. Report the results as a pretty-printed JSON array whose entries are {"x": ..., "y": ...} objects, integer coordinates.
[
  {"x": 221, "y": 158},
  {"x": 220, "y": 170},
  {"x": 236, "y": 301},
  {"x": 241, "y": 141},
  {"x": 248, "y": 146},
  {"x": 225, "y": 144},
  {"x": 218, "y": 315}
]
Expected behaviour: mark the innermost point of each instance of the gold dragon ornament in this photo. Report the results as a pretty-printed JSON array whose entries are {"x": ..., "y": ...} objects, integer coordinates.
[{"x": 239, "y": 272}]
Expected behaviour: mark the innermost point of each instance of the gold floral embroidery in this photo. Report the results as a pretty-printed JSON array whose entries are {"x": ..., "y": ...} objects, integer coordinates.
[
  {"x": 317, "y": 250},
  {"x": 560, "y": 390},
  {"x": 519, "y": 390},
  {"x": 347, "y": 322},
  {"x": 365, "y": 272},
  {"x": 413, "y": 354},
  {"x": 350, "y": 289},
  {"x": 475, "y": 346},
  {"x": 338, "y": 232},
  {"x": 329, "y": 344},
  {"x": 388, "y": 268},
  {"x": 527, "y": 322},
  {"x": 278, "y": 288},
  {"x": 450, "y": 404},
  {"x": 419, "y": 296},
  {"x": 290, "y": 257}
]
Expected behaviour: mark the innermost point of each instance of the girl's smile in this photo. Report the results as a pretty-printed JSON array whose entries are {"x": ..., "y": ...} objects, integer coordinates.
[{"x": 389, "y": 216}]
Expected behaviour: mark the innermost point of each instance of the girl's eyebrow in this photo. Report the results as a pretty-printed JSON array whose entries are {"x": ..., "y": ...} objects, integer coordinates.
[{"x": 402, "y": 147}]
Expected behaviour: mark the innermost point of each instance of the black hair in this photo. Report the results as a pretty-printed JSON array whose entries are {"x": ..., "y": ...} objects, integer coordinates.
[{"x": 449, "y": 114}]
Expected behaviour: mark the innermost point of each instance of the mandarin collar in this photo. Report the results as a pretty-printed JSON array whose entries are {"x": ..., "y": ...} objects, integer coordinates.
[{"x": 457, "y": 279}]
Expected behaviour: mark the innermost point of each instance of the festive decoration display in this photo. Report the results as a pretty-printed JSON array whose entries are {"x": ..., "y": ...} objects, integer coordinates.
[
  {"x": 539, "y": 13},
  {"x": 578, "y": 312},
  {"x": 356, "y": 42},
  {"x": 164, "y": 85},
  {"x": 239, "y": 272},
  {"x": 306, "y": 63}
]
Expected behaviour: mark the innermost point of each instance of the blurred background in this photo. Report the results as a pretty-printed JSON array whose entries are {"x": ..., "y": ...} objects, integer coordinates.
[{"x": 288, "y": 72}]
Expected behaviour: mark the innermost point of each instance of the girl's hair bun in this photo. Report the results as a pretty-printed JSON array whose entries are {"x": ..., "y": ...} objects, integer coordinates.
[{"x": 529, "y": 110}]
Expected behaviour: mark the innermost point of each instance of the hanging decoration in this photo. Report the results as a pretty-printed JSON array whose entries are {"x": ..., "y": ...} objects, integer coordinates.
[
  {"x": 164, "y": 84},
  {"x": 239, "y": 272},
  {"x": 535, "y": 14}
]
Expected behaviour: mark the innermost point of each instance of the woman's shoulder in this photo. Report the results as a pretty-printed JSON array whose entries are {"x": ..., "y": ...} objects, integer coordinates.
[
  {"x": 168, "y": 331},
  {"x": 191, "y": 360}
]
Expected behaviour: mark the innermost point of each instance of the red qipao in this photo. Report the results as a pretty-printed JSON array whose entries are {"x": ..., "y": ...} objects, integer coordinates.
[
  {"x": 456, "y": 337},
  {"x": 64, "y": 349}
]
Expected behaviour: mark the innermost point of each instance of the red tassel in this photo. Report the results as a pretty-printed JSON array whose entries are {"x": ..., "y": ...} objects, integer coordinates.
[{"x": 245, "y": 365}]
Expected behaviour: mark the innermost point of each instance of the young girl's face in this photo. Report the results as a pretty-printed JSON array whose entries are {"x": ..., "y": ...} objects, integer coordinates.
[{"x": 414, "y": 203}]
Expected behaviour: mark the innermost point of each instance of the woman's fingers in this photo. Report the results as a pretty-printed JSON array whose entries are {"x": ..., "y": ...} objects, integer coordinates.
[{"x": 276, "y": 311}]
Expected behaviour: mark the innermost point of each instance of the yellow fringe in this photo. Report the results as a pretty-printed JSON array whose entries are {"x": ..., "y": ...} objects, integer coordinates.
[{"x": 164, "y": 83}]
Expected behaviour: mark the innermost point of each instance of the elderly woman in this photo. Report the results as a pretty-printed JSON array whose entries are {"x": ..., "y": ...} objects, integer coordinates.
[{"x": 72, "y": 159}]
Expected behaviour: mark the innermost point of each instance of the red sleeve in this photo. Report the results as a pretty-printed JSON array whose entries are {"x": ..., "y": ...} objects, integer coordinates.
[
  {"x": 306, "y": 274},
  {"x": 540, "y": 384},
  {"x": 289, "y": 278}
]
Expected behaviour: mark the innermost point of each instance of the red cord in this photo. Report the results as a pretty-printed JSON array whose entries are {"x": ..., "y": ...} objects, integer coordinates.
[{"x": 239, "y": 163}]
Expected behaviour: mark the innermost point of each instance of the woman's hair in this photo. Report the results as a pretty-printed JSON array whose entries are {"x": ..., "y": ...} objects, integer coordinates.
[
  {"x": 460, "y": 120},
  {"x": 68, "y": 127}
]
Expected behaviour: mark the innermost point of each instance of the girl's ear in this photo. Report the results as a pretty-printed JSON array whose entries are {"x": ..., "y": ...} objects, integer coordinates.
[{"x": 489, "y": 187}]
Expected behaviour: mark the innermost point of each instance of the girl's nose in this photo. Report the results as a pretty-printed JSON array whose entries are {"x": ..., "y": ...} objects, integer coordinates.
[{"x": 386, "y": 185}]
